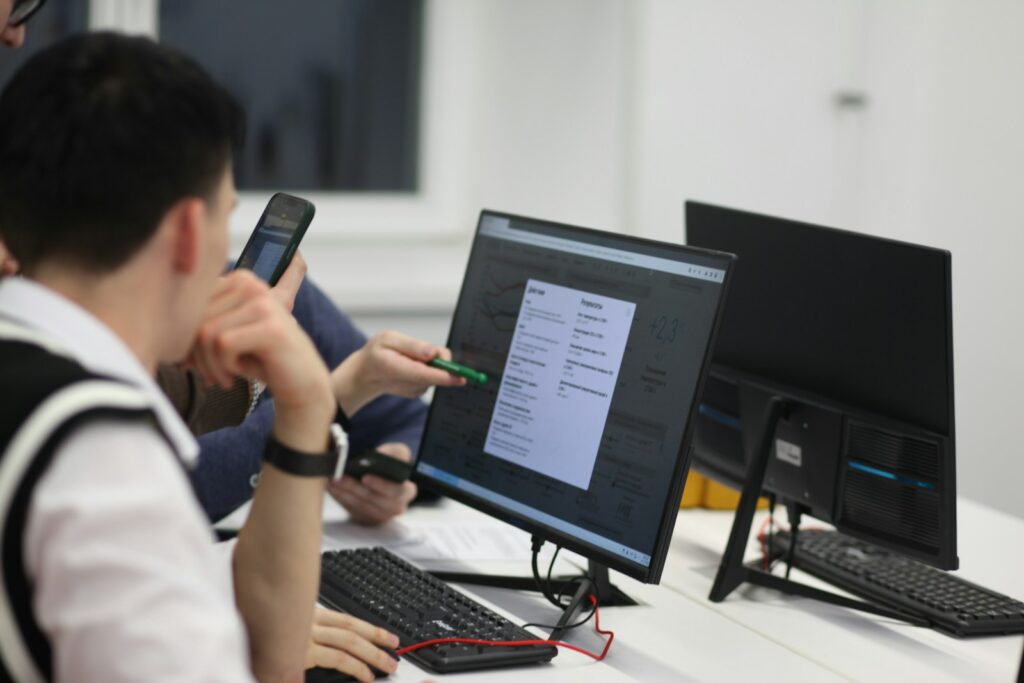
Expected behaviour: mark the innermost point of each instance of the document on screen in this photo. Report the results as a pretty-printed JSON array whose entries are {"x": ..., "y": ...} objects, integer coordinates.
[{"x": 558, "y": 381}]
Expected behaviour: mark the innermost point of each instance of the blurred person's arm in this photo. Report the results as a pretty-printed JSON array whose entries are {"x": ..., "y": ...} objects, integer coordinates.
[
  {"x": 372, "y": 499},
  {"x": 389, "y": 363},
  {"x": 230, "y": 458},
  {"x": 389, "y": 418}
]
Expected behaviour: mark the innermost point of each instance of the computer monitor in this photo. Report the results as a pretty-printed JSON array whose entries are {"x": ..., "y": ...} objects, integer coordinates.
[
  {"x": 596, "y": 347},
  {"x": 855, "y": 332}
]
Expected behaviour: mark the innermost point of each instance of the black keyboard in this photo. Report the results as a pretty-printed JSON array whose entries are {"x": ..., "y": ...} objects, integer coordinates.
[
  {"x": 383, "y": 589},
  {"x": 947, "y": 602}
]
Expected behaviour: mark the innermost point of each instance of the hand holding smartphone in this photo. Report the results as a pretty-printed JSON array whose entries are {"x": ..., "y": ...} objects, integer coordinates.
[
  {"x": 375, "y": 462},
  {"x": 277, "y": 235}
]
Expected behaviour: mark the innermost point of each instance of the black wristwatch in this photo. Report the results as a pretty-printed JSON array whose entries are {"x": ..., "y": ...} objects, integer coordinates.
[{"x": 329, "y": 464}]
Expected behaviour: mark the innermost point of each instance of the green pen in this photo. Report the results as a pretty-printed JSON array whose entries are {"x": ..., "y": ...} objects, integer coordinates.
[{"x": 460, "y": 370}]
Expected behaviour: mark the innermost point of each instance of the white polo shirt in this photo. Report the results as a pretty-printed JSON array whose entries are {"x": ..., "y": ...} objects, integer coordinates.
[{"x": 128, "y": 586}]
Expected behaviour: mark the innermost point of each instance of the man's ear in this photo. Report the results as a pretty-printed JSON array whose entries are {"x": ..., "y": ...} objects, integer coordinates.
[{"x": 185, "y": 223}]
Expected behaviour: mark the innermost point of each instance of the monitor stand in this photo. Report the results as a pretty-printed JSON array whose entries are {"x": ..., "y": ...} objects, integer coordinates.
[
  {"x": 732, "y": 572},
  {"x": 594, "y": 582}
]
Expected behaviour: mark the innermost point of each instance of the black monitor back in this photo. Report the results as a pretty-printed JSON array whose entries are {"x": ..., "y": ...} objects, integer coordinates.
[{"x": 856, "y": 333}]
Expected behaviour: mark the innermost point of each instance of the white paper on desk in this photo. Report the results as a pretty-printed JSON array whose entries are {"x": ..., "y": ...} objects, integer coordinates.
[
  {"x": 342, "y": 535},
  {"x": 465, "y": 542},
  {"x": 469, "y": 542}
]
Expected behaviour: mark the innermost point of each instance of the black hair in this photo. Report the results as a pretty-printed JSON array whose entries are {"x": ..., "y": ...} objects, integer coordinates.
[{"x": 100, "y": 134}]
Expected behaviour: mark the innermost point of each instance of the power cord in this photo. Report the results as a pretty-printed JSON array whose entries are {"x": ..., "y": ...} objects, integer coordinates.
[
  {"x": 547, "y": 590},
  {"x": 551, "y": 566},
  {"x": 535, "y": 545}
]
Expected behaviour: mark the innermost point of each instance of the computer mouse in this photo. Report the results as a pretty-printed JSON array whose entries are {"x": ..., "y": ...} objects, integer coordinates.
[{"x": 321, "y": 675}]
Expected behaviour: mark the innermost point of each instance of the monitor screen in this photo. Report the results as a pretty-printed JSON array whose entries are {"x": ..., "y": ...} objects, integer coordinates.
[{"x": 595, "y": 345}]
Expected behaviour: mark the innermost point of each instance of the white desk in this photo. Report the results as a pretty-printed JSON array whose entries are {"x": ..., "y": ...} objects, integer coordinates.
[
  {"x": 676, "y": 634},
  {"x": 856, "y": 645},
  {"x": 668, "y": 637}
]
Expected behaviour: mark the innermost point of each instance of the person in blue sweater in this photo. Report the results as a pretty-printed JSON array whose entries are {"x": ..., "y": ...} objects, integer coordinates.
[{"x": 230, "y": 457}]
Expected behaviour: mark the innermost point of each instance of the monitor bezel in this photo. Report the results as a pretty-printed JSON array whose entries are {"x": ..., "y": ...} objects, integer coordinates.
[{"x": 652, "y": 572}]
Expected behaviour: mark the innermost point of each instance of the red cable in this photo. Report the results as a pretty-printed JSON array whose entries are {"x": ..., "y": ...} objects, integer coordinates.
[
  {"x": 519, "y": 643},
  {"x": 761, "y": 539}
]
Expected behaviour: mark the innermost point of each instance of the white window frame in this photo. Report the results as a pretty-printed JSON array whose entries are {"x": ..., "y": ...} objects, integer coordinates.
[
  {"x": 127, "y": 16},
  {"x": 432, "y": 213}
]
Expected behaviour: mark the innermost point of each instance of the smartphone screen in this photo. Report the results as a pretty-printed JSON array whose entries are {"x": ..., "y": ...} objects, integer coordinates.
[{"x": 276, "y": 237}]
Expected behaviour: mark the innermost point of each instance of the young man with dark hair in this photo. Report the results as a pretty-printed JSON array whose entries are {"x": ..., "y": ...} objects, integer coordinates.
[{"x": 115, "y": 191}]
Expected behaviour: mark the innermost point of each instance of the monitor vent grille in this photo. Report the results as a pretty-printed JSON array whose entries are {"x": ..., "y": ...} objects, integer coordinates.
[
  {"x": 899, "y": 512},
  {"x": 891, "y": 452}
]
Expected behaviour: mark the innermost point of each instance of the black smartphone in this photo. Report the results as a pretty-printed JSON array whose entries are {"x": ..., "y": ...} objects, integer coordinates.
[
  {"x": 374, "y": 462},
  {"x": 276, "y": 237}
]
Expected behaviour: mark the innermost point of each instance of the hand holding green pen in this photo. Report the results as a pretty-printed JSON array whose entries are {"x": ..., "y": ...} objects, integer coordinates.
[
  {"x": 459, "y": 370},
  {"x": 391, "y": 363}
]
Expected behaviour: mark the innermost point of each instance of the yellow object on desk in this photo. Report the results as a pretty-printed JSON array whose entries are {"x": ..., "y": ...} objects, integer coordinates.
[
  {"x": 707, "y": 493},
  {"x": 693, "y": 492}
]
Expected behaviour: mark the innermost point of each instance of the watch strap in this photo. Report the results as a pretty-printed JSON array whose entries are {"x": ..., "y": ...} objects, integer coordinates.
[{"x": 330, "y": 463}]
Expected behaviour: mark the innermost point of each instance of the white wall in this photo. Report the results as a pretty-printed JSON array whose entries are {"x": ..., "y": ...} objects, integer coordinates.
[
  {"x": 735, "y": 104},
  {"x": 541, "y": 131},
  {"x": 945, "y": 166},
  {"x": 550, "y": 110},
  {"x": 610, "y": 113}
]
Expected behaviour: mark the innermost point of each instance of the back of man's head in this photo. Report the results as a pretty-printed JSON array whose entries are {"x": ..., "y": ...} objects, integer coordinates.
[{"x": 100, "y": 135}]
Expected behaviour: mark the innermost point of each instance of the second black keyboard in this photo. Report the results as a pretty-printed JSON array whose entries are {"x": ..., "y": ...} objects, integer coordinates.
[
  {"x": 377, "y": 586},
  {"x": 949, "y": 603}
]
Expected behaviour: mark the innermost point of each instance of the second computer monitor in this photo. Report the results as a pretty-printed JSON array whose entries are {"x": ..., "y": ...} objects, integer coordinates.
[
  {"x": 595, "y": 345},
  {"x": 855, "y": 332}
]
